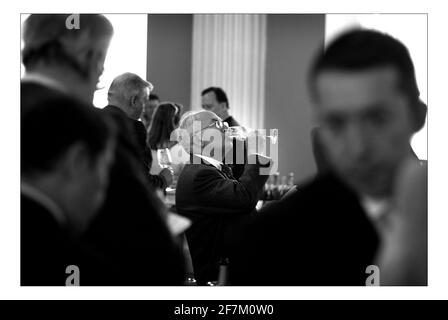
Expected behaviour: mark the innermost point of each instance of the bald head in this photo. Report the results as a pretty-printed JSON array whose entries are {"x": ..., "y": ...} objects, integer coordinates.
[
  {"x": 194, "y": 121},
  {"x": 203, "y": 132},
  {"x": 130, "y": 93}
]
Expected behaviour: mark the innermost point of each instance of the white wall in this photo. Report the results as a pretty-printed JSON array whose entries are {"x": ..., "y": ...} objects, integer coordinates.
[{"x": 127, "y": 51}]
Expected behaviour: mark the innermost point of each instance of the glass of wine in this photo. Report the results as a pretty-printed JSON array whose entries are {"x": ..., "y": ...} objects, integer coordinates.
[
  {"x": 242, "y": 133},
  {"x": 164, "y": 157},
  {"x": 264, "y": 138},
  {"x": 165, "y": 161}
]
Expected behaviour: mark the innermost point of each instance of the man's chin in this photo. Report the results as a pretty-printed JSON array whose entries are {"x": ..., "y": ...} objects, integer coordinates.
[{"x": 377, "y": 189}]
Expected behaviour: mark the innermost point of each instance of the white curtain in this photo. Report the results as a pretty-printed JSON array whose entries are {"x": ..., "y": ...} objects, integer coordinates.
[{"x": 229, "y": 51}]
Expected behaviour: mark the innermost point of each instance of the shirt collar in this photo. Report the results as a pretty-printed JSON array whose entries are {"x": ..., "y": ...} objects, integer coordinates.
[
  {"x": 376, "y": 209},
  {"x": 44, "y": 200},
  {"x": 217, "y": 164},
  {"x": 43, "y": 80}
]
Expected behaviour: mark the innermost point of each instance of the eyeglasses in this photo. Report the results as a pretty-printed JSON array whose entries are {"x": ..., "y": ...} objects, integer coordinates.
[{"x": 217, "y": 124}]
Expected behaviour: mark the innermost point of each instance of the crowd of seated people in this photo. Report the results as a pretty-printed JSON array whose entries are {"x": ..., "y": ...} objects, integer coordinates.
[{"x": 91, "y": 179}]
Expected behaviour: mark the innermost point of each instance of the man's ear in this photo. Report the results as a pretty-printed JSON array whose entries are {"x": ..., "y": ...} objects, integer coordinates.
[
  {"x": 76, "y": 160},
  {"x": 133, "y": 100},
  {"x": 420, "y": 112}
]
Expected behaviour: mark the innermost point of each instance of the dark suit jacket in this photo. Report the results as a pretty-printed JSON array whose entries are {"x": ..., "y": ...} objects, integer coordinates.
[
  {"x": 320, "y": 235},
  {"x": 129, "y": 234},
  {"x": 214, "y": 201},
  {"x": 237, "y": 169},
  {"x": 45, "y": 247},
  {"x": 231, "y": 121},
  {"x": 139, "y": 136}
]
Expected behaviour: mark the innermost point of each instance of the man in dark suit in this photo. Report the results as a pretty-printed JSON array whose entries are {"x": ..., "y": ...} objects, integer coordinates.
[
  {"x": 130, "y": 234},
  {"x": 64, "y": 181},
  {"x": 127, "y": 97},
  {"x": 215, "y": 99},
  {"x": 209, "y": 195},
  {"x": 327, "y": 233}
]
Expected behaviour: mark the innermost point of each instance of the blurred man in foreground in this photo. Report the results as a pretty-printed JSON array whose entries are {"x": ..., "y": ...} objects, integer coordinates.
[
  {"x": 64, "y": 182},
  {"x": 68, "y": 61},
  {"x": 129, "y": 234},
  {"x": 367, "y": 103}
]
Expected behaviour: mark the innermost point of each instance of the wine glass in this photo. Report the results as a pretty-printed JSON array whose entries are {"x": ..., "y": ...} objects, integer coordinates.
[
  {"x": 165, "y": 161},
  {"x": 164, "y": 157}
]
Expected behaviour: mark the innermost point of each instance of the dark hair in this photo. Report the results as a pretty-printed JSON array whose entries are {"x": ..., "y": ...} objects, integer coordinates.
[
  {"x": 219, "y": 93},
  {"x": 165, "y": 119},
  {"x": 51, "y": 126},
  {"x": 153, "y": 96},
  {"x": 361, "y": 49},
  {"x": 44, "y": 36}
]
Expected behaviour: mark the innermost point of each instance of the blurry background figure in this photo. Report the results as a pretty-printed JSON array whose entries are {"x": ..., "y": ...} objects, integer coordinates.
[
  {"x": 403, "y": 255},
  {"x": 127, "y": 96},
  {"x": 66, "y": 151},
  {"x": 214, "y": 99},
  {"x": 149, "y": 108},
  {"x": 166, "y": 151}
]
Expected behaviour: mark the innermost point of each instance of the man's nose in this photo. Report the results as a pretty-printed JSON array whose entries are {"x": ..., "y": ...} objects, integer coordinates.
[{"x": 357, "y": 141}]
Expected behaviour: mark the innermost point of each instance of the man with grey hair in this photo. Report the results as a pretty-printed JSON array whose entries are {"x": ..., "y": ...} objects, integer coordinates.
[
  {"x": 129, "y": 93},
  {"x": 208, "y": 194},
  {"x": 127, "y": 97}
]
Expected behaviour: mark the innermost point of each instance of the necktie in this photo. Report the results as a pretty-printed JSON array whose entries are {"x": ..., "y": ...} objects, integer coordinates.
[{"x": 227, "y": 171}]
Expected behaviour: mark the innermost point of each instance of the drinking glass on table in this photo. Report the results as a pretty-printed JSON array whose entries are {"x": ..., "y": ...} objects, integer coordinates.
[{"x": 164, "y": 157}]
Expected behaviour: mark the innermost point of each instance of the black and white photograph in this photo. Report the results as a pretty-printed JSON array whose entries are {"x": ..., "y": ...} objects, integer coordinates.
[
  {"x": 222, "y": 159},
  {"x": 223, "y": 150}
]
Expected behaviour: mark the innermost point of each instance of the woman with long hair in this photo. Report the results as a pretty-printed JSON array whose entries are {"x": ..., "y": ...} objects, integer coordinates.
[{"x": 165, "y": 120}]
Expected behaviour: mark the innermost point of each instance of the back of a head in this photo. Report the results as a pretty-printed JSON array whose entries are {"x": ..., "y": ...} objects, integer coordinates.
[
  {"x": 47, "y": 37},
  {"x": 189, "y": 118},
  {"x": 220, "y": 94},
  {"x": 362, "y": 49},
  {"x": 53, "y": 125},
  {"x": 190, "y": 123},
  {"x": 125, "y": 86}
]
